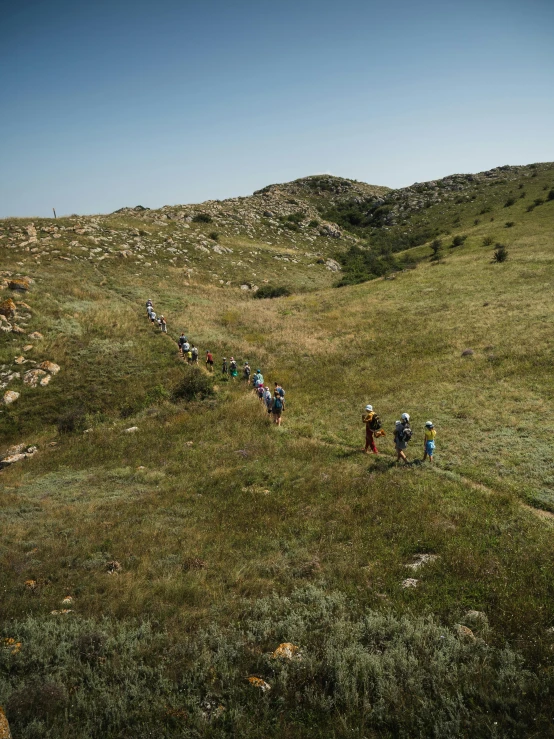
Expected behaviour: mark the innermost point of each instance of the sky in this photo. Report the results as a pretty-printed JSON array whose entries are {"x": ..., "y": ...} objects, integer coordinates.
[{"x": 118, "y": 103}]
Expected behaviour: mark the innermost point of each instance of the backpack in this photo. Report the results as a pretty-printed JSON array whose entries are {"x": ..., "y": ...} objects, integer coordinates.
[
  {"x": 375, "y": 423},
  {"x": 278, "y": 404},
  {"x": 406, "y": 434}
]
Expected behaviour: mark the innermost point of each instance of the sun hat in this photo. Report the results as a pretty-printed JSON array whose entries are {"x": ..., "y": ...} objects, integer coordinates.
[
  {"x": 405, "y": 416},
  {"x": 429, "y": 424},
  {"x": 369, "y": 407}
]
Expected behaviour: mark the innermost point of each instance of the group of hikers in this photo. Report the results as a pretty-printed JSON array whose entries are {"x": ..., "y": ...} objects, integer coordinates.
[
  {"x": 402, "y": 435},
  {"x": 274, "y": 402}
]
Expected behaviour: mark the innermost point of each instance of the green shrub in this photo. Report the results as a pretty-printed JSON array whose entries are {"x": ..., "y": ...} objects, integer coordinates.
[
  {"x": 195, "y": 385},
  {"x": 214, "y": 235},
  {"x": 72, "y": 420},
  {"x": 500, "y": 253},
  {"x": 509, "y": 224},
  {"x": 202, "y": 218},
  {"x": 511, "y": 201},
  {"x": 458, "y": 241},
  {"x": 291, "y": 226},
  {"x": 486, "y": 209},
  {"x": 315, "y": 224},
  {"x": 538, "y": 201},
  {"x": 269, "y": 291},
  {"x": 436, "y": 250},
  {"x": 550, "y": 195},
  {"x": 488, "y": 240}
]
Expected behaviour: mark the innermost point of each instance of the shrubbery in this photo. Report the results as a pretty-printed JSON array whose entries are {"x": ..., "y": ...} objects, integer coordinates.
[
  {"x": 270, "y": 291},
  {"x": 458, "y": 240},
  {"x": 72, "y": 420},
  {"x": 500, "y": 253},
  {"x": 195, "y": 385},
  {"x": 202, "y": 218}
]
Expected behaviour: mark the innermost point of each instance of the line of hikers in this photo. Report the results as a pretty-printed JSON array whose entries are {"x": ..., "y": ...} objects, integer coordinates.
[
  {"x": 402, "y": 435},
  {"x": 274, "y": 402},
  {"x": 156, "y": 320}
]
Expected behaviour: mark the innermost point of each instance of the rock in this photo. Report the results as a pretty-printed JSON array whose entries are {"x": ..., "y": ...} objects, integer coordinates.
[
  {"x": 422, "y": 559},
  {"x": 467, "y": 353},
  {"x": 19, "y": 360},
  {"x": 7, "y": 461},
  {"x": 45, "y": 380},
  {"x": 476, "y": 616},
  {"x": 27, "y": 347},
  {"x": 17, "y": 329},
  {"x": 257, "y": 682},
  {"x": 5, "y": 732},
  {"x": 67, "y": 601},
  {"x": 332, "y": 231},
  {"x": 131, "y": 430},
  {"x": 410, "y": 582},
  {"x": 20, "y": 285},
  {"x": 113, "y": 567},
  {"x": 333, "y": 265},
  {"x": 10, "y": 396},
  {"x": 286, "y": 651},
  {"x": 15, "y": 449},
  {"x": 33, "y": 377},
  {"x": 464, "y": 632},
  {"x": 245, "y": 287},
  {"x": 7, "y": 308},
  {"x": 50, "y": 367},
  {"x": 36, "y": 335}
]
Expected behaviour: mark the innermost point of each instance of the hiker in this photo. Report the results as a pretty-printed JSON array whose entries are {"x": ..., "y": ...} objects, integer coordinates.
[
  {"x": 277, "y": 408},
  {"x": 402, "y": 435},
  {"x": 180, "y": 342},
  {"x": 279, "y": 389},
  {"x": 189, "y": 356},
  {"x": 258, "y": 379},
  {"x": 149, "y": 306},
  {"x": 163, "y": 325},
  {"x": 233, "y": 367},
  {"x": 429, "y": 441},
  {"x": 373, "y": 429},
  {"x": 209, "y": 361},
  {"x": 186, "y": 347},
  {"x": 194, "y": 352},
  {"x": 267, "y": 398},
  {"x": 246, "y": 372},
  {"x": 152, "y": 316},
  {"x": 224, "y": 368}
]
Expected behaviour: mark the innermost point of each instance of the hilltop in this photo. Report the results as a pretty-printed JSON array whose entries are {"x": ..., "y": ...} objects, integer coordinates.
[{"x": 161, "y": 539}]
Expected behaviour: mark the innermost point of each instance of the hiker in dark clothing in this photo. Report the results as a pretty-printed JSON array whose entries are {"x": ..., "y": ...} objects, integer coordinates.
[
  {"x": 402, "y": 435},
  {"x": 224, "y": 368}
]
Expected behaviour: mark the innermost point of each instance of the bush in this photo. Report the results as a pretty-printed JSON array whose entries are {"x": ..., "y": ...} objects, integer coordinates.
[
  {"x": 488, "y": 240},
  {"x": 509, "y": 224},
  {"x": 500, "y": 253},
  {"x": 538, "y": 201},
  {"x": 531, "y": 208},
  {"x": 214, "y": 236},
  {"x": 202, "y": 218},
  {"x": 436, "y": 250},
  {"x": 315, "y": 224},
  {"x": 73, "y": 420},
  {"x": 458, "y": 241},
  {"x": 268, "y": 291},
  {"x": 550, "y": 195},
  {"x": 511, "y": 201},
  {"x": 291, "y": 226},
  {"x": 486, "y": 209},
  {"x": 195, "y": 385}
]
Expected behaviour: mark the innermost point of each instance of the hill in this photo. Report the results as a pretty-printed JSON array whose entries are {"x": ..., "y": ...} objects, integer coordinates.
[{"x": 420, "y": 598}]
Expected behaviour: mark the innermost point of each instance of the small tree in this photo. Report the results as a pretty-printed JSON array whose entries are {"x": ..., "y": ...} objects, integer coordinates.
[
  {"x": 500, "y": 253},
  {"x": 458, "y": 241},
  {"x": 550, "y": 195},
  {"x": 488, "y": 240},
  {"x": 436, "y": 250},
  {"x": 509, "y": 202}
]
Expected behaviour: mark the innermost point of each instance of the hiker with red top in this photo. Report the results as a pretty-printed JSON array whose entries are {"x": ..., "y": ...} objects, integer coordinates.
[{"x": 209, "y": 362}]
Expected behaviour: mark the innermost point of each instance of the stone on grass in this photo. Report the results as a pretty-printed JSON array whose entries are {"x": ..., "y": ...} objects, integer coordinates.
[
  {"x": 36, "y": 335},
  {"x": 20, "y": 285},
  {"x": 287, "y": 650},
  {"x": 7, "y": 308},
  {"x": 5, "y": 732},
  {"x": 422, "y": 559},
  {"x": 464, "y": 632},
  {"x": 467, "y": 353},
  {"x": 19, "y": 360},
  {"x": 45, "y": 380},
  {"x": 131, "y": 430},
  {"x": 33, "y": 377},
  {"x": 410, "y": 582},
  {"x": 257, "y": 682},
  {"x": 27, "y": 347},
  {"x": 10, "y": 396},
  {"x": 51, "y": 367}
]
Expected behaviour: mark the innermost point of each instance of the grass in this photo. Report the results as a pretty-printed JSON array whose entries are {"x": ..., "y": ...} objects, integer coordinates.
[{"x": 233, "y": 536}]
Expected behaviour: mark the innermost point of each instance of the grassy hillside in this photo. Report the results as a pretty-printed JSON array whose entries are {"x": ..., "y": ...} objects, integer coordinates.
[{"x": 194, "y": 546}]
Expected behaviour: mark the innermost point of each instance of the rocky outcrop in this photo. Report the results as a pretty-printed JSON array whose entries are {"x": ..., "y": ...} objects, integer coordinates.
[{"x": 10, "y": 396}]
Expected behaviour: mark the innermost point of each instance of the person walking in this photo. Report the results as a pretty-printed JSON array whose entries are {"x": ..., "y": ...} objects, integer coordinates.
[
  {"x": 429, "y": 441},
  {"x": 246, "y": 372},
  {"x": 209, "y": 361},
  {"x": 153, "y": 316},
  {"x": 186, "y": 347},
  {"x": 163, "y": 325},
  {"x": 279, "y": 389},
  {"x": 189, "y": 356},
  {"x": 224, "y": 368},
  {"x": 233, "y": 371},
  {"x": 267, "y": 399},
  {"x": 372, "y": 427},
  {"x": 180, "y": 342},
  {"x": 402, "y": 435},
  {"x": 277, "y": 408},
  {"x": 194, "y": 352}
]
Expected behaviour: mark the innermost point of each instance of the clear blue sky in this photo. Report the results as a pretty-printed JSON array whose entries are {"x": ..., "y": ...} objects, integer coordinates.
[{"x": 119, "y": 102}]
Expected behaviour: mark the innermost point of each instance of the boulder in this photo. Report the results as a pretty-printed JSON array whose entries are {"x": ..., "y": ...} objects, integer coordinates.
[
  {"x": 45, "y": 380},
  {"x": 7, "y": 461},
  {"x": 467, "y": 353},
  {"x": 36, "y": 335},
  {"x": 5, "y": 732},
  {"x": 131, "y": 430},
  {"x": 7, "y": 308},
  {"x": 333, "y": 265},
  {"x": 20, "y": 285},
  {"x": 33, "y": 377},
  {"x": 10, "y": 396},
  {"x": 50, "y": 367}
]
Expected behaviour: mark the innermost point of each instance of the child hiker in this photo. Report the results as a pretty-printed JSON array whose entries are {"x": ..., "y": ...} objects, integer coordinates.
[
  {"x": 429, "y": 442},
  {"x": 372, "y": 428}
]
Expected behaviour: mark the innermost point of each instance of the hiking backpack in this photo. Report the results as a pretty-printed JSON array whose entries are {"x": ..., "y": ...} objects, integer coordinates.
[
  {"x": 406, "y": 434},
  {"x": 375, "y": 423},
  {"x": 278, "y": 404}
]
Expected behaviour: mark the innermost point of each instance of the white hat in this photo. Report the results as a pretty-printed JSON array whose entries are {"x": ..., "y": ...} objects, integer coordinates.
[
  {"x": 405, "y": 416},
  {"x": 369, "y": 407},
  {"x": 429, "y": 424}
]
